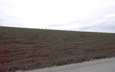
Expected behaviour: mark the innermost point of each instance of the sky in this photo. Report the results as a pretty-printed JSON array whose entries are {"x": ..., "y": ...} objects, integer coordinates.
[{"x": 77, "y": 15}]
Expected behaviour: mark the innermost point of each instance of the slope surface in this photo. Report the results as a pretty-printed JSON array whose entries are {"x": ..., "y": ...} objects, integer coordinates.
[
  {"x": 102, "y": 65},
  {"x": 27, "y": 49}
]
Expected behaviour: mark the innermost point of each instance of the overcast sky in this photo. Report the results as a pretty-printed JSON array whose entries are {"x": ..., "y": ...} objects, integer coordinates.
[{"x": 79, "y": 15}]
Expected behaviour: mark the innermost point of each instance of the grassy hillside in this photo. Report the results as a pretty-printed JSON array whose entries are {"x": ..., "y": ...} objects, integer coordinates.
[{"x": 25, "y": 49}]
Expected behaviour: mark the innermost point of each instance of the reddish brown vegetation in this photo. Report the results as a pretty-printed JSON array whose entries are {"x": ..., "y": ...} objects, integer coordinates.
[
  {"x": 68, "y": 53},
  {"x": 37, "y": 55},
  {"x": 2, "y": 70},
  {"x": 4, "y": 38},
  {"x": 28, "y": 43},
  {"x": 91, "y": 50},
  {"x": 12, "y": 69},
  {"x": 61, "y": 63},
  {"x": 100, "y": 57},
  {"x": 39, "y": 47},
  {"x": 6, "y": 42},
  {"x": 27, "y": 61},
  {"x": 5, "y": 61},
  {"x": 82, "y": 60},
  {"x": 42, "y": 47}
]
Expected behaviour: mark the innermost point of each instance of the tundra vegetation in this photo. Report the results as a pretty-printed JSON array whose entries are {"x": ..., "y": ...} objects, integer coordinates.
[{"x": 27, "y": 49}]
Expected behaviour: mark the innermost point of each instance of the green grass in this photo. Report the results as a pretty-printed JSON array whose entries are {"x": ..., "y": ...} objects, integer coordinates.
[{"x": 25, "y": 49}]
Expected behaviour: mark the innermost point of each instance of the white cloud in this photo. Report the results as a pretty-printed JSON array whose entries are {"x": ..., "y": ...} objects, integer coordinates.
[
  {"x": 58, "y": 14},
  {"x": 110, "y": 16}
]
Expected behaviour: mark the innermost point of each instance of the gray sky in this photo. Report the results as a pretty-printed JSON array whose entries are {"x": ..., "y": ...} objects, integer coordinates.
[{"x": 80, "y": 15}]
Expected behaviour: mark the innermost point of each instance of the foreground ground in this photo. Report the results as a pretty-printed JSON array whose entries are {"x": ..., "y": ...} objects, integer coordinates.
[
  {"x": 28, "y": 49},
  {"x": 102, "y": 65}
]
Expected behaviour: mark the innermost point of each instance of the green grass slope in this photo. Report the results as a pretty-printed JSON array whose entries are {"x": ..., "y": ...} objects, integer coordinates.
[{"x": 26, "y": 49}]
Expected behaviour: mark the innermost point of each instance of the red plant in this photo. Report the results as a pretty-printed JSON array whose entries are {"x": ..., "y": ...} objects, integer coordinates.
[
  {"x": 60, "y": 63},
  {"x": 43, "y": 55},
  {"x": 39, "y": 46},
  {"x": 82, "y": 60},
  {"x": 13, "y": 69},
  {"x": 29, "y": 43},
  {"x": 5, "y": 52},
  {"x": 4, "y": 38},
  {"x": 4, "y": 43},
  {"x": 99, "y": 57},
  {"x": 38, "y": 64},
  {"x": 16, "y": 42},
  {"x": 32, "y": 56},
  {"x": 69, "y": 52},
  {"x": 90, "y": 50},
  {"x": 5, "y": 61},
  {"x": 27, "y": 61},
  {"x": 1, "y": 70},
  {"x": 8, "y": 52}
]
